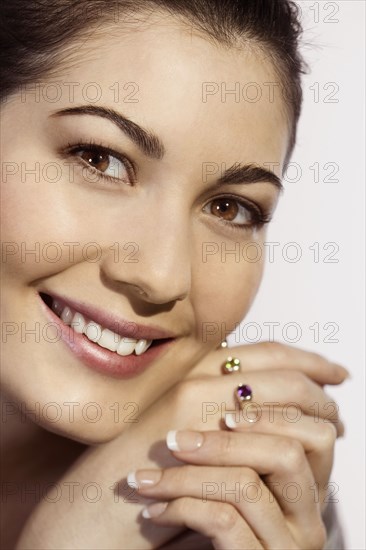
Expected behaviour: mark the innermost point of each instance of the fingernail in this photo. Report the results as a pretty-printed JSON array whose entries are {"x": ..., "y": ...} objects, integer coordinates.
[
  {"x": 154, "y": 510},
  {"x": 185, "y": 440},
  {"x": 230, "y": 420},
  {"x": 143, "y": 478}
]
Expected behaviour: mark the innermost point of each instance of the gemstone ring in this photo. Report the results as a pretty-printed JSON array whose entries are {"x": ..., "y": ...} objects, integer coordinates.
[
  {"x": 232, "y": 364},
  {"x": 243, "y": 393}
]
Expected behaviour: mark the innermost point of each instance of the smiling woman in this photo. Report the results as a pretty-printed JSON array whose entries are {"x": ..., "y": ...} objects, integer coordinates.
[{"x": 133, "y": 149}]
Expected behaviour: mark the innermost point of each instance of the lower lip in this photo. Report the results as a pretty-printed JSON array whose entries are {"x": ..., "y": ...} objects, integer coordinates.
[{"x": 102, "y": 360}]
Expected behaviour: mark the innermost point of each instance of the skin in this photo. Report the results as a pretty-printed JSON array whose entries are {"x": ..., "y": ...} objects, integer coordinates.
[
  {"x": 170, "y": 268},
  {"x": 181, "y": 292},
  {"x": 290, "y": 374}
]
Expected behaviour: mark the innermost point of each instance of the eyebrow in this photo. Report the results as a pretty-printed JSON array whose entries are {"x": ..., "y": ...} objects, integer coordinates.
[
  {"x": 151, "y": 145},
  {"x": 249, "y": 173},
  {"x": 145, "y": 140}
]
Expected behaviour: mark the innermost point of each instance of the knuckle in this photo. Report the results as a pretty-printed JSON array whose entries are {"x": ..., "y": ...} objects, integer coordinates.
[
  {"x": 293, "y": 454},
  {"x": 300, "y": 385},
  {"x": 328, "y": 436},
  {"x": 247, "y": 476},
  {"x": 224, "y": 517},
  {"x": 279, "y": 352}
]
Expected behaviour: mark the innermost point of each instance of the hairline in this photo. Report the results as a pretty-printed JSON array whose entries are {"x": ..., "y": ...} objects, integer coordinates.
[{"x": 66, "y": 58}]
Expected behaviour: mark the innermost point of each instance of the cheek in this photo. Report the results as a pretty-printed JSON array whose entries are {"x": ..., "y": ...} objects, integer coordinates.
[
  {"x": 45, "y": 227},
  {"x": 32, "y": 234},
  {"x": 225, "y": 284},
  {"x": 45, "y": 217}
]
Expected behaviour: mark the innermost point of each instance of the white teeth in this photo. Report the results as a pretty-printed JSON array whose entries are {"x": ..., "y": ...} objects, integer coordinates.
[
  {"x": 93, "y": 331},
  {"x": 126, "y": 346},
  {"x": 142, "y": 346},
  {"x": 109, "y": 340},
  {"x": 102, "y": 336},
  {"x": 57, "y": 307},
  {"x": 78, "y": 323},
  {"x": 67, "y": 316}
]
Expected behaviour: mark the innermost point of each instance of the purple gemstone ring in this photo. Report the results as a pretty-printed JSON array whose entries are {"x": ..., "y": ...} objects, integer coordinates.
[{"x": 243, "y": 393}]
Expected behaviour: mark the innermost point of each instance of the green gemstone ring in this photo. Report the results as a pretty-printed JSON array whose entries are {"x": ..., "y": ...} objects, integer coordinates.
[{"x": 232, "y": 364}]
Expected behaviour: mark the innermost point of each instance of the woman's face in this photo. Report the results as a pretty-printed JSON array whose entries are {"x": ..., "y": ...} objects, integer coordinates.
[{"x": 167, "y": 239}]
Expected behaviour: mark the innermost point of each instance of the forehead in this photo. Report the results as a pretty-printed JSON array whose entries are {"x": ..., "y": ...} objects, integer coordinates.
[{"x": 167, "y": 76}]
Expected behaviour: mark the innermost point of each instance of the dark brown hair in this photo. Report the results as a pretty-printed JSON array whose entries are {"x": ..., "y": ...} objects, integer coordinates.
[{"x": 35, "y": 34}]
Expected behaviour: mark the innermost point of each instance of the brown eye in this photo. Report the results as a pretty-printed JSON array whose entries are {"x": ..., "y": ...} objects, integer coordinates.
[
  {"x": 104, "y": 162},
  {"x": 97, "y": 160},
  {"x": 225, "y": 208},
  {"x": 230, "y": 210}
]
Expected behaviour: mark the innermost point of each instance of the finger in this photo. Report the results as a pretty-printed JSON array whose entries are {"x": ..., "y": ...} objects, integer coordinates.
[
  {"x": 275, "y": 355},
  {"x": 240, "y": 487},
  {"x": 275, "y": 388},
  {"x": 317, "y": 439},
  {"x": 251, "y": 415},
  {"x": 218, "y": 521},
  {"x": 280, "y": 459}
]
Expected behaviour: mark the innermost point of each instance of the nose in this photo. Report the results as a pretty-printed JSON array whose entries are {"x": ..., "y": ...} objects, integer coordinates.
[{"x": 156, "y": 267}]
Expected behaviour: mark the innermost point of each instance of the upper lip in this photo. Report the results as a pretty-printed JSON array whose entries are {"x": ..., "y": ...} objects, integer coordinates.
[{"x": 123, "y": 327}]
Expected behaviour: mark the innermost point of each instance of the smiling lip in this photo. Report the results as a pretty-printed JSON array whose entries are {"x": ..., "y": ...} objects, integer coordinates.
[{"x": 101, "y": 359}]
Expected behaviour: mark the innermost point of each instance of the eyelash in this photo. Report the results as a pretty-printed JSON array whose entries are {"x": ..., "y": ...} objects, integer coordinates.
[
  {"x": 94, "y": 147},
  {"x": 259, "y": 216}
]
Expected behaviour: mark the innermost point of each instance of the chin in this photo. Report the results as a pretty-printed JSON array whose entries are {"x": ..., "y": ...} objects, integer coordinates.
[
  {"x": 83, "y": 433},
  {"x": 53, "y": 415}
]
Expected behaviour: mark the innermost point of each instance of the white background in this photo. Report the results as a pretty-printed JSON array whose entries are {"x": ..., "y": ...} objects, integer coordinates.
[{"x": 309, "y": 291}]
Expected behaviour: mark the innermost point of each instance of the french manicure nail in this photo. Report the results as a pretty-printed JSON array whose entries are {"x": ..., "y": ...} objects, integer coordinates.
[
  {"x": 230, "y": 420},
  {"x": 154, "y": 510},
  {"x": 143, "y": 478},
  {"x": 185, "y": 440},
  {"x": 131, "y": 480}
]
